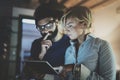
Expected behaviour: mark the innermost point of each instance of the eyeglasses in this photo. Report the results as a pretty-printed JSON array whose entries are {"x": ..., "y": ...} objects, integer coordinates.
[{"x": 47, "y": 26}]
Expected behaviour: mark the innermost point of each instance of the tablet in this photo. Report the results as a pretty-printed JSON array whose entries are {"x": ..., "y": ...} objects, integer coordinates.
[{"x": 42, "y": 67}]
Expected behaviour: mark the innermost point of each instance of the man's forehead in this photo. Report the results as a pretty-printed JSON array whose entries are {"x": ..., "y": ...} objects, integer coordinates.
[{"x": 45, "y": 20}]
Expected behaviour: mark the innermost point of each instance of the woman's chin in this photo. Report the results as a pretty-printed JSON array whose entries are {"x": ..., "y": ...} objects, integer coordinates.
[{"x": 73, "y": 39}]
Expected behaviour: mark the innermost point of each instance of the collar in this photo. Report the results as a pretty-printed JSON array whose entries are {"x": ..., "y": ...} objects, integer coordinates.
[{"x": 89, "y": 36}]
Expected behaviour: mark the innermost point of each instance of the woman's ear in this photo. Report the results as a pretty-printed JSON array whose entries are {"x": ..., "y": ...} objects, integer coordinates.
[{"x": 83, "y": 25}]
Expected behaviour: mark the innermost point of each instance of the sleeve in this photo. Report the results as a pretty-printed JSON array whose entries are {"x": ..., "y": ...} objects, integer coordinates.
[
  {"x": 35, "y": 49},
  {"x": 106, "y": 64}
]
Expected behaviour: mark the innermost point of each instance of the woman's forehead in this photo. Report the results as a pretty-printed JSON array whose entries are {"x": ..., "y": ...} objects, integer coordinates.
[{"x": 71, "y": 19}]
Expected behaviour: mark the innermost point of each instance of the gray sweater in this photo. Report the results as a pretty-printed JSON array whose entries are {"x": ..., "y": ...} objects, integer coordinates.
[{"x": 96, "y": 58}]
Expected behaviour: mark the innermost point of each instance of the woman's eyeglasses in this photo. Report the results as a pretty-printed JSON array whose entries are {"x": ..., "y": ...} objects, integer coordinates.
[{"x": 47, "y": 26}]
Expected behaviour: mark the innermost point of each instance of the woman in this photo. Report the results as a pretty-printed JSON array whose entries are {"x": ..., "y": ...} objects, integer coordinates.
[{"x": 92, "y": 57}]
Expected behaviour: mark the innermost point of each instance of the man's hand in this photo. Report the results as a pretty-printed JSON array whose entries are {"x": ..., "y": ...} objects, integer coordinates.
[{"x": 45, "y": 45}]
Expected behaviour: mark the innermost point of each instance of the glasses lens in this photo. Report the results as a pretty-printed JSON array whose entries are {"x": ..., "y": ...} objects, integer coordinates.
[
  {"x": 40, "y": 28},
  {"x": 45, "y": 27},
  {"x": 49, "y": 26}
]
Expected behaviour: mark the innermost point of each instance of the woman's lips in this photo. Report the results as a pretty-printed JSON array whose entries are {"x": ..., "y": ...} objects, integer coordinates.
[{"x": 69, "y": 34}]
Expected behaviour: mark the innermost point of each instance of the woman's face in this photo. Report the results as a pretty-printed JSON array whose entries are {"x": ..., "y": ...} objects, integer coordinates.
[{"x": 73, "y": 28}]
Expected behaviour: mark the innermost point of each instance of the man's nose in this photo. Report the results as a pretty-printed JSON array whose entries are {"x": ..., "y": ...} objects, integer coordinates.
[{"x": 45, "y": 31}]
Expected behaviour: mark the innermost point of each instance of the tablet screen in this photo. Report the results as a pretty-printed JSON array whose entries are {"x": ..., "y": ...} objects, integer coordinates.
[{"x": 42, "y": 67}]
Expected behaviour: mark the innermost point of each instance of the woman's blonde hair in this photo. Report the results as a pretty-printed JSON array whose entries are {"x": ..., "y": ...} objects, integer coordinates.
[{"x": 82, "y": 13}]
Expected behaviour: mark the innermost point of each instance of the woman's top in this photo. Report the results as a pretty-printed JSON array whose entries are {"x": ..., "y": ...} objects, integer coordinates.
[{"x": 96, "y": 56}]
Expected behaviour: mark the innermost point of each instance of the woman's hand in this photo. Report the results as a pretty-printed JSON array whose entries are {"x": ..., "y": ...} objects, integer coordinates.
[
  {"x": 66, "y": 69},
  {"x": 38, "y": 75}
]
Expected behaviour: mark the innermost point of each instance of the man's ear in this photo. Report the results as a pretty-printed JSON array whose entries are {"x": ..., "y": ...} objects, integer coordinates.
[{"x": 56, "y": 20}]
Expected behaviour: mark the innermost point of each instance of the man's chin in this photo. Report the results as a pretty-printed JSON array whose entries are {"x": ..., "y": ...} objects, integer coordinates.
[{"x": 52, "y": 34}]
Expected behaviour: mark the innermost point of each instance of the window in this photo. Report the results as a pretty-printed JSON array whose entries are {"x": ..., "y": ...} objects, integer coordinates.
[{"x": 27, "y": 34}]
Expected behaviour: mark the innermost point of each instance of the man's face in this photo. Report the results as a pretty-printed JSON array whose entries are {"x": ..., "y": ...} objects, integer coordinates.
[{"x": 46, "y": 25}]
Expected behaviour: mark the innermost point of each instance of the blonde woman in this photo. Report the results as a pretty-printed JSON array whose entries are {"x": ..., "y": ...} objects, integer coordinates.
[{"x": 92, "y": 57}]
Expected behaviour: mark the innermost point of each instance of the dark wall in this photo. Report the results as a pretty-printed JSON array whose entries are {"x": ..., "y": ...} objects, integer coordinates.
[{"x": 5, "y": 24}]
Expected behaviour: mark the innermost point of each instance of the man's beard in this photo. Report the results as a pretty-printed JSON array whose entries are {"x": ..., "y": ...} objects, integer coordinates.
[{"x": 51, "y": 36}]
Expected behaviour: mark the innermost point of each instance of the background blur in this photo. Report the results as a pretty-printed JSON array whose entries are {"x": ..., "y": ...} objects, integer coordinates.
[{"x": 106, "y": 23}]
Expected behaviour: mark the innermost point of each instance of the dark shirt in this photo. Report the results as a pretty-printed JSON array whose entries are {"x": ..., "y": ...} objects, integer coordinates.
[{"x": 55, "y": 54}]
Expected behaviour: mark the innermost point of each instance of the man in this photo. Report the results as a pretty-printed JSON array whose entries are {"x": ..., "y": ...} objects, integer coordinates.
[{"x": 52, "y": 46}]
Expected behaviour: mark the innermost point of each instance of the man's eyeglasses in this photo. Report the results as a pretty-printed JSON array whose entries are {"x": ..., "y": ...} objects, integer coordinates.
[{"x": 47, "y": 26}]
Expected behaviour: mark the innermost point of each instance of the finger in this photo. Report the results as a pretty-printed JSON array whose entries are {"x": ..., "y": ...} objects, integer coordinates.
[
  {"x": 47, "y": 46},
  {"x": 49, "y": 42},
  {"x": 46, "y": 36}
]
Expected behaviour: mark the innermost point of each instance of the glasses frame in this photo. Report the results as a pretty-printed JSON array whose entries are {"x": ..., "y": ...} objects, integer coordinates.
[{"x": 46, "y": 26}]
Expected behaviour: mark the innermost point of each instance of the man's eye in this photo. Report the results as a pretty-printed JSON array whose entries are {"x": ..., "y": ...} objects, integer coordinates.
[
  {"x": 49, "y": 26},
  {"x": 42, "y": 27}
]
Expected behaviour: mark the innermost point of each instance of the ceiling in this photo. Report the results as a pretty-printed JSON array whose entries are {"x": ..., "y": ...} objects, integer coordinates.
[{"x": 63, "y": 4}]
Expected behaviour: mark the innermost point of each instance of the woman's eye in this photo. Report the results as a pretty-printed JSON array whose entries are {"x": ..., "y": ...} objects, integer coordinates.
[{"x": 70, "y": 26}]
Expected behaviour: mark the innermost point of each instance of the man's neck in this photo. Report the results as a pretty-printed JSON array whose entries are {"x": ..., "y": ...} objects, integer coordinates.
[{"x": 58, "y": 37}]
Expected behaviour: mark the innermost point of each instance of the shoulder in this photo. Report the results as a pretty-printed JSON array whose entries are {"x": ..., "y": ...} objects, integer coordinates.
[
  {"x": 65, "y": 37},
  {"x": 101, "y": 42},
  {"x": 36, "y": 41},
  {"x": 98, "y": 41},
  {"x": 105, "y": 48}
]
